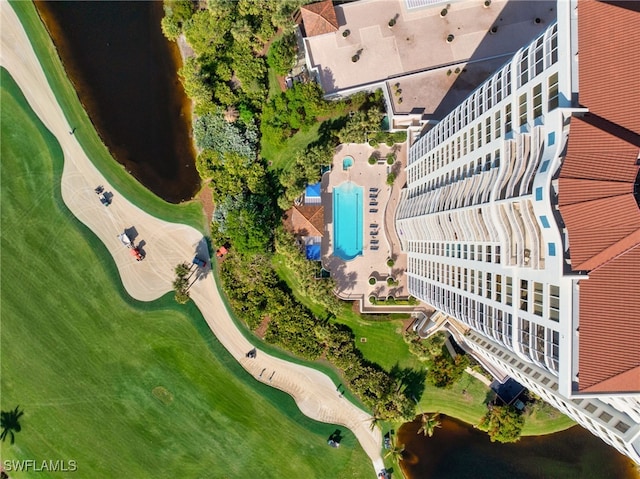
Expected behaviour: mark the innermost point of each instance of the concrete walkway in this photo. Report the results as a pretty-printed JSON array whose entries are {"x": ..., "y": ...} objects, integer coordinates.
[{"x": 165, "y": 245}]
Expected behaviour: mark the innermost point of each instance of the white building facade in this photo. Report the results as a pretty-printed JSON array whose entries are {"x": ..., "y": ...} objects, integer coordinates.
[{"x": 484, "y": 238}]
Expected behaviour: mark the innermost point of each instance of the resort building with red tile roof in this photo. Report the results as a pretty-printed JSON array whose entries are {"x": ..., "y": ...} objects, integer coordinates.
[
  {"x": 521, "y": 218},
  {"x": 319, "y": 18}
]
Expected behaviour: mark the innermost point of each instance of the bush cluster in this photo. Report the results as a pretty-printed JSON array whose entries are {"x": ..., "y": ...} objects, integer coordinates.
[
  {"x": 228, "y": 39},
  {"x": 502, "y": 423},
  {"x": 444, "y": 370}
]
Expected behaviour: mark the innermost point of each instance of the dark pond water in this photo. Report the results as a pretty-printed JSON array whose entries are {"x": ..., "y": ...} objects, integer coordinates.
[
  {"x": 124, "y": 71},
  {"x": 458, "y": 451}
]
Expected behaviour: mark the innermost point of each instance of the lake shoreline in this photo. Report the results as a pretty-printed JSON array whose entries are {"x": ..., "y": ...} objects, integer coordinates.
[
  {"x": 130, "y": 73},
  {"x": 457, "y": 447}
]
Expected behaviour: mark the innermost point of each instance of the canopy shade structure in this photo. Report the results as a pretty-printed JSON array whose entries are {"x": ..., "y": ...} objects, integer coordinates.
[
  {"x": 313, "y": 191},
  {"x": 313, "y": 252}
]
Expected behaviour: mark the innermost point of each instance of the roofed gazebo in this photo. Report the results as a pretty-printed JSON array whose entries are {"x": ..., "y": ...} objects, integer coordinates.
[{"x": 319, "y": 18}]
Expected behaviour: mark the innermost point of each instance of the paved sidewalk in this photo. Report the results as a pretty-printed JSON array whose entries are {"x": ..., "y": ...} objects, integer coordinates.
[{"x": 166, "y": 245}]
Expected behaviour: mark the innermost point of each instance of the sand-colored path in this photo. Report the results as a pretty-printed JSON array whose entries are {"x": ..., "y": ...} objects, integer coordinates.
[{"x": 165, "y": 245}]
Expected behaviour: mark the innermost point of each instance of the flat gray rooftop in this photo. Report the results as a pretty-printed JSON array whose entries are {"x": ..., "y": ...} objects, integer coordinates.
[{"x": 417, "y": 44}]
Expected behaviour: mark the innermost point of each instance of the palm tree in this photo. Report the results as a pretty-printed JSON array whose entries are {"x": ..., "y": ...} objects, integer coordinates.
[
  {"x": 182, "y": 270},
  {"x": 375, "y": 419},
  {"x": 396, "y": 451},
  {"x": 231, "y": 114},
  {"x": 429, "y": 424},
  {"x": 9, "y": 421},
  {"x": 181, "y": 283}
]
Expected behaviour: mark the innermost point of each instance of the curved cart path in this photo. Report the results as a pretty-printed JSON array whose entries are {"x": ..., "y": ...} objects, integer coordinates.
[{"x": 165, "y": 245}]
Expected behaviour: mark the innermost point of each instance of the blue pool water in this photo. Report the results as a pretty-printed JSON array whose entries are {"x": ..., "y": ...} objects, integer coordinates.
[
  {"x": 347, "y": 162},
  {"x": 347, "y": 220}
]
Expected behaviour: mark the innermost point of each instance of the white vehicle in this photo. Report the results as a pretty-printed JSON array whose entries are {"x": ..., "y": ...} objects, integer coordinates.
[{"x": 125, "y": 240}]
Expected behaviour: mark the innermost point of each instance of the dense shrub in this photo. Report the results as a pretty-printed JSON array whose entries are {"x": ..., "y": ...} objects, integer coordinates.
[
  {"x": 502, "y": 423},
  {"x": 246, "y": 221},
  {"x": 444, "y": 370},
  {"x": 282, "y": 54},
  {"x": 176, "y": 13},
  {"x": 305, "y": 170},
  {"x": 320, "y": 290},
  {"x": 212, "y": 132},
  {"x": 425, "y": 349},
  {"x": 295, "y": 109}
]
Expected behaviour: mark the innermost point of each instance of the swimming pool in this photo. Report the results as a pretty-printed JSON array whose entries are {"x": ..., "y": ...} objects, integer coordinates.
[
  {"x": 347, "y": 162},
  {"x": 347, "y": 220}
]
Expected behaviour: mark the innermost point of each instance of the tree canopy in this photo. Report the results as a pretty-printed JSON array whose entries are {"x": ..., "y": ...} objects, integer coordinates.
[
  {"x": 282, "y": 54},
  {"x": 212, "y": 132},
  {"x": 428, "y": 424},
  {"x": 444, "y": 370},
  {"x": 503, "y": 423},
  {"x": 176, "y": 13},
  {"x": 10, "y": 423}
]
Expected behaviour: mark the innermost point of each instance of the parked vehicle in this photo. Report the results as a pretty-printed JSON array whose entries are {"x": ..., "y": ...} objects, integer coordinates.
[
  {"x": 104, "y": 199},
  {"x": 124, "y": 239},
  {"x": 135, "y": 251},
  {"x": 198, "y": 262}
]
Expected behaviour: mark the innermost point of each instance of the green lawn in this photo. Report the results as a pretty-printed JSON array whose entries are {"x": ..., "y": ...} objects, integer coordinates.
[
  {"x": 189, "y": 213},
  {"x": 126, "y": 389},
  {"x": 283, "y": 157},
  {"x": 465, "y": 400},
  {"x": 546, "y": 422}
]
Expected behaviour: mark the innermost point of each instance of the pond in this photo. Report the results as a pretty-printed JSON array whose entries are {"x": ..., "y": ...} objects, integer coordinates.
[
  {"x": 125, "y": 73},
  {"x": 458, "y": 451}
]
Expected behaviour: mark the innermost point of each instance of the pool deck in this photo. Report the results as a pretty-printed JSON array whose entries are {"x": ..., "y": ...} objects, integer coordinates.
[{"x": 352, "y": 277}]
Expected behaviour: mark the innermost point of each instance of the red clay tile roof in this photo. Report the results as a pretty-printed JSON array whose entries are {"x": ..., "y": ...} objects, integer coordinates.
[
  {"x": 609, "y": 48},
  {"x": 319, "y": 18},
  {"x": 596, "y": 196},
  {"x": 616, "y": 383},
  {"x": 307, "y": 220},
  {"x": 609, "y": 354}
]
